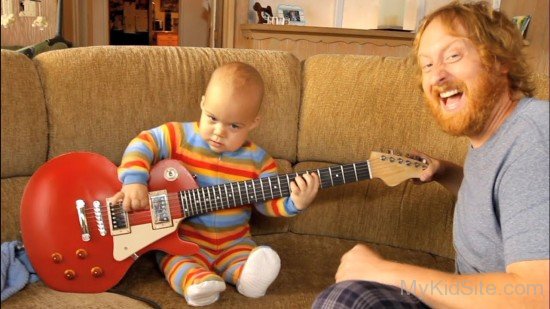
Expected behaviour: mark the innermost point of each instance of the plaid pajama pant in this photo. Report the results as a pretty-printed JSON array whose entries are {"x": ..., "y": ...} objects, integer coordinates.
[{"x": 365, "y": 294}]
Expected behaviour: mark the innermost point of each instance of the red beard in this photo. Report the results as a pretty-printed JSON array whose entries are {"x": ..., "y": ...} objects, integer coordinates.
[{"x": 472, "y": 119}]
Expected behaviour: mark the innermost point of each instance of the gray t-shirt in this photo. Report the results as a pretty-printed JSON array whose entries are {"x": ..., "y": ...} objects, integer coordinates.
[{"x": 501, "y": 214}]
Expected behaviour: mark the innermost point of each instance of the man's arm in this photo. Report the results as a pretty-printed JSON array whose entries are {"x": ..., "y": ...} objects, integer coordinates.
[{"x": 524, "y": 284}]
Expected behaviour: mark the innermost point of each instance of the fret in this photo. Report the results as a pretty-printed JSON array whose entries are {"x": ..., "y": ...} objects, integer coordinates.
[
  {"x": 196, "y": 200},
  {"x": 355, "y": 171},
  {"x": 226, "y": 194},
  {"x": 246, "y": 190},
  {"x": 279, "y": 182},
  {"x": 204, "y": 200},
  {"x": 343, "y": 175},
  {"x": 330, "y": 174},
  {"x": 209, "y": 199},
  {"x": 270, "y": 187},
  {"x": 240, "y": 193},
  {"x": 288, "y": 183},
  {"x": 262, "y": 188},
  {"x": 233, "y": 193},
  {"x": 320, "y": 181},
  {"x": 190, "y": 201},
  {"x": 219, "y": 201},
  {"x": 254, "y": 190}
]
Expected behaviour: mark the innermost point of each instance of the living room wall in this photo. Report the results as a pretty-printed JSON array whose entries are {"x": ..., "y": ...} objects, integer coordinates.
[{"x": 21, "y": 32}]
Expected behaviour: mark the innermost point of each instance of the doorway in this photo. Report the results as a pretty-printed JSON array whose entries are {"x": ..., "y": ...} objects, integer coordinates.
[{"x": 144, "y": 22}]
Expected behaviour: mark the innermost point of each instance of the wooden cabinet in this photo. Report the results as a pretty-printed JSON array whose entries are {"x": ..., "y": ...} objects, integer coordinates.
[
  {"x": 167, "y": 39},
  {"x": 304, "y": 41}
]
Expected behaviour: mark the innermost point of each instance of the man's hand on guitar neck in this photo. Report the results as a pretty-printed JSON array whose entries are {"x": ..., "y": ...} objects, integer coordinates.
[
  {"x": 447, "y": 173},
  {"x": 134, "y": 196}
]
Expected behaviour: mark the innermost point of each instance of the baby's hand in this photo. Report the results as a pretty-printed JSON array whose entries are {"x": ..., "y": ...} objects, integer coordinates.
[
  {"x": 304, "y": 189},
  {"x": 134, "y": 196}
]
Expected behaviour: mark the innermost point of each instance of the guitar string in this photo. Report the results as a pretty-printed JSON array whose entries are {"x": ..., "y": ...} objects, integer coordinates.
[
  {"x": 212, "y": 204},
  {"x": 258, "y": 191},
  {"x": 202, "y": 207},
  {"x": 208, "y": 206}
]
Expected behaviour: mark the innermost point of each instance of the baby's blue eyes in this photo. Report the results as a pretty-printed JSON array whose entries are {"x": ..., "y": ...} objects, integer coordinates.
[{"x": 233, "y": 126}]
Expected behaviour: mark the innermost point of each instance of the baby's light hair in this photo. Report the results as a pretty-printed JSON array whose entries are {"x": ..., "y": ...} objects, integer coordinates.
[{"x": 240, "y": 76}]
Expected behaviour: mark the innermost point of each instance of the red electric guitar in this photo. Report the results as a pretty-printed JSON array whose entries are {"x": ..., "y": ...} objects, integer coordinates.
[{"x": 79, "y": 243}]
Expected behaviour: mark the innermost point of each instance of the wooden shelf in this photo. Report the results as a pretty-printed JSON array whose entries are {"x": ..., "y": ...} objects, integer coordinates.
[{"x": 305, "y": 41}]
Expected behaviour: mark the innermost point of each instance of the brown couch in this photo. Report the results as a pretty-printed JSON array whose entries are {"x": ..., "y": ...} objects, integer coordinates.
[{"x": 330, "y": 109}]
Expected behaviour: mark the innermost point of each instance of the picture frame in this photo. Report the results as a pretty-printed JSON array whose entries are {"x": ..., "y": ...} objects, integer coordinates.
[
  {"x": 293, "y": 13},
  {"x": 522, "y": 22},
  {"x": 169, "y": 5}
]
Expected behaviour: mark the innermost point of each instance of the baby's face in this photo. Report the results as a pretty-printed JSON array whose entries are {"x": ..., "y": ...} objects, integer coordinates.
[{"x": 227, "y": 118}]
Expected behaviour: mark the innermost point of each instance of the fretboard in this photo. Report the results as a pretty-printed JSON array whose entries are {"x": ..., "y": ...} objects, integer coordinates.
[{"x": 229, "y": 195}]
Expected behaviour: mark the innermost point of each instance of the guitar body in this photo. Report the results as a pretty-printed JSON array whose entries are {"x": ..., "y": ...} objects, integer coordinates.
[{"x": 70, "y": 258}]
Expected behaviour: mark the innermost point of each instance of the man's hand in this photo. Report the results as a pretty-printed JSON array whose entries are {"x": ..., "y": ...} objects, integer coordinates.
[
  {"x": 448, "y": 174},
  {"x": 134, "y": 196},
  {"x": 304, "y": 189},
  {"x": 361, "y": 263}
]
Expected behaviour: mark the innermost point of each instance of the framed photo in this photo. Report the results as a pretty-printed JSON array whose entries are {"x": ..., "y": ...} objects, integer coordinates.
[
  {"x": 293, "y": 13},
  {"x": 522, "y": 22},
  {"x": 169, "y": 5}
]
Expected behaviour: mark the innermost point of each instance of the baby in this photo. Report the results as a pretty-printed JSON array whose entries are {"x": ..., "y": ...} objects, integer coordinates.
[{"x": 217, "y": 151}]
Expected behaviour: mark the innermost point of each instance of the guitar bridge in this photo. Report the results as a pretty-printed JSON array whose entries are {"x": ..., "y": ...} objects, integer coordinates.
[
  {"x": 160, "y": 209},
  {"x": 81, "y": 210}
]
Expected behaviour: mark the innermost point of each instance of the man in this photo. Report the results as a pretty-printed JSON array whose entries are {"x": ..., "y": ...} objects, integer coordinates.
[{"x": 476, "y": 83}]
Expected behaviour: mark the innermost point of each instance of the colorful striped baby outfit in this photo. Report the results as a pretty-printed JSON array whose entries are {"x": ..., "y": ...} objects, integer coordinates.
[{"x": 223, "y": 235}]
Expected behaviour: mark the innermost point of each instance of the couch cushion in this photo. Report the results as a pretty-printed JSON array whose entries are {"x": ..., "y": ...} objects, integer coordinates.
[
  {"x": 37, "y": 295},
  {"x": 100, "y": 97},
  {"x": 353, "y": 105},
  {"x": 308, "y": 265},
  {"x": 24, "y": 121},
  {"x": 12, "y": 191}
]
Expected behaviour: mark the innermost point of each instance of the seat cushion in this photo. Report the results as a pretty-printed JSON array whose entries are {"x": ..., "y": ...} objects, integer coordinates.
[{"x": 308, "y": 265}]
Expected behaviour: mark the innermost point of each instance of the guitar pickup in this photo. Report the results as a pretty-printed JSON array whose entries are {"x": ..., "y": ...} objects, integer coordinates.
[
  {"x": 160, "y": 209},
  {"x": 118, "y": 219}
]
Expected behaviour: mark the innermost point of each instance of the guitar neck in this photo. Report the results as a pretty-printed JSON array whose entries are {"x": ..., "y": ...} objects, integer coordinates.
[{"x": 229, "y": 195}]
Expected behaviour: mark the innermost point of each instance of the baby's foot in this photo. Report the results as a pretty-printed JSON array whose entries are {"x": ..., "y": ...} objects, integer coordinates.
[
  {"x": 259, "y": 271},
  {"x": 204, "y": 293}
]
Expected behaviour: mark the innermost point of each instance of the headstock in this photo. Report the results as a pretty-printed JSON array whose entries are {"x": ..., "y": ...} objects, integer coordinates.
[{"x": 393, "y": 168}]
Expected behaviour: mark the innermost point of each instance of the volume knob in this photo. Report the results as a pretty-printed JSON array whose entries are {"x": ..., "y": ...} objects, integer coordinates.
[
  {"x": 70, "y": 274},
  {"x": 97, "y": 271}
]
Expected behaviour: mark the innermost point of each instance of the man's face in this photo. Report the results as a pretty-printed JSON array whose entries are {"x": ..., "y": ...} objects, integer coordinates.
[{"x": 459, "y": 91}]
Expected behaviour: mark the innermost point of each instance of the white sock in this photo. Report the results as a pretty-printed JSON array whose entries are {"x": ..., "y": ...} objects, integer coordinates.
[
  {"x": 204, "y": 293},
  {"x": 259, "y": 271}
]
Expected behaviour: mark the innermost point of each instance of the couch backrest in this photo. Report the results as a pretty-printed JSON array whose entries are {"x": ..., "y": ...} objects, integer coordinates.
[
  {"x": 99, "y": 98},
  {"x": 24, "y": 134},
  {"x": 352, "y": 105},
  {"x": 24, "y": 118}
]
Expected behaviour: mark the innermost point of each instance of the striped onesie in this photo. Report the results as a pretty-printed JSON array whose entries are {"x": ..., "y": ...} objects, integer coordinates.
[{"x": 224, "y": 235}]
